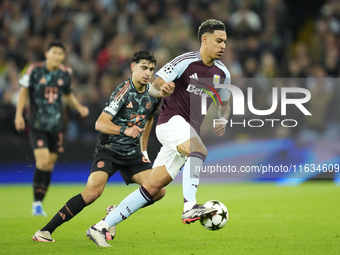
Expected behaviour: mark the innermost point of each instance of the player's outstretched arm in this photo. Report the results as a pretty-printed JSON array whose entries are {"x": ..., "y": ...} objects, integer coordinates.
[
  {"x": 223, "y": 114},
  {"x": 160, "y": 88},
  {"x": 19, "y": 119},
  {"x": 73, "y": 102}
]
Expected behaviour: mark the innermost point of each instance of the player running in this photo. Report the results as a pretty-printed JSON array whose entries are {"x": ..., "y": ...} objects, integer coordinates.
[
  {"x": 125, "y": 125},
  {"x": 45, "y": 83},
  {"x": 178, "y": 128}
]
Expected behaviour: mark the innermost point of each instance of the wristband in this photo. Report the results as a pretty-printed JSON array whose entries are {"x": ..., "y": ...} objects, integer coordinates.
[
  {"x": 145, "y": 153},
  {"x": 121, "y": 130},
  {"x": 222, "y": 118}
]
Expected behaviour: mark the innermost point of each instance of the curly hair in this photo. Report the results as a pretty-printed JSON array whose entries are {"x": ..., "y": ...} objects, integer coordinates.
[{"x": 209, "y": 26}]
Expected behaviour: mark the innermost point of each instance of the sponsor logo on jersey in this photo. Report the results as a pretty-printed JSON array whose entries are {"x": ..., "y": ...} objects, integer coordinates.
[
  {"x": 199, "y": 91},
  {"x": 40, "y": 143},
  {"x": 43, "y": 80},
  {"x": 129, "y": 105},
  {"x": 60, "y": 82}
]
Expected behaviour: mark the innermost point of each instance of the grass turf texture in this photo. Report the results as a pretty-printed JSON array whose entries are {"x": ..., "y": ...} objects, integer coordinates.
[{"x": 263, "y": 219}]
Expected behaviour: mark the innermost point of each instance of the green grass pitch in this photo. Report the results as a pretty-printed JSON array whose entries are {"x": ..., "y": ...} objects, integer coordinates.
[{"x": 263, "y": 219}]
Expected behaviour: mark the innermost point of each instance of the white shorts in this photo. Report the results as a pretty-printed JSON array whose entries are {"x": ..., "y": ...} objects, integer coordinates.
[{"x": 171, "y": 134}]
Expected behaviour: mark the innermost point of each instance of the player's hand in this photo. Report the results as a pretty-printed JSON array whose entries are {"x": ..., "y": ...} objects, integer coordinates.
[
  {"x": 219, "y": 128},
  {"x": 167, "y": 89},
  {"x": 133, "y": 131},
  {"x": 19, "y": 123},
  {"x": 84, "y": 111}
]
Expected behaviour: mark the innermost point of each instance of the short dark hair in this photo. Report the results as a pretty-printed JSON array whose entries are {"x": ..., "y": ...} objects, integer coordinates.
[
  {"x": 209, "y": 26},
  {"x": 143, "y": 54},
  {"x": 56, "y": 43}
]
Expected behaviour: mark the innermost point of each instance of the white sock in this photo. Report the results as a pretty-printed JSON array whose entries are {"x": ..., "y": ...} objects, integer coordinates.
[
  {"x": 128, "y": 206},
  {"x": 190, "y": 179}
]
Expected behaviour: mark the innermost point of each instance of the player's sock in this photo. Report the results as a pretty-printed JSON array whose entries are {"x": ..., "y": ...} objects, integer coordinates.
[
  {"x": 72, "y": 207},
  {"x": 190, "y": 179},
  {"x": 148, "y": 204},
  {"x": 128, "y": 206},
  {"x": 41, "y": 181}
]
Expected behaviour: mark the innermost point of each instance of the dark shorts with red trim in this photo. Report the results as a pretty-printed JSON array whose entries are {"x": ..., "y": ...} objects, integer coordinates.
[
  {"x": 128, "y": 166},
  {"x": 52, "y": 141}
]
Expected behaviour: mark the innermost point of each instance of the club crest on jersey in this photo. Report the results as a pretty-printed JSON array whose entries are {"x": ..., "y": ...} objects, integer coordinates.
[
  {"x": 43, "y": 80},
  {"x": 168, "y": 68},
  {"x": 216, "y": 79},
  {"x": 148, "y": 105},
  {"x": 114, "y": 105},
  {"x": 60, "y": 82}
]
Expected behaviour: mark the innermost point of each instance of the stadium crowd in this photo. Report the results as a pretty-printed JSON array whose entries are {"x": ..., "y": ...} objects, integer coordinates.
[{"x": 267, "y": 43}]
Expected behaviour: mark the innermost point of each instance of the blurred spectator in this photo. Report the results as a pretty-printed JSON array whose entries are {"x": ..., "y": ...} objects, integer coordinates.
[{"x": 266, "y": 39}]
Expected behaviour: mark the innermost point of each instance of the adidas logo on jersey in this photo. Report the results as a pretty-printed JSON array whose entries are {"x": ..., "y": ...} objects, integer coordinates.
[
  {"x": 129, "y": 105},
  {"x": 194, "y": 76}
]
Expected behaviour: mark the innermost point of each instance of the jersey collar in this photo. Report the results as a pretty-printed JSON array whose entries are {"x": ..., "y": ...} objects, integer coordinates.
[{"x": 133, "y": 85}]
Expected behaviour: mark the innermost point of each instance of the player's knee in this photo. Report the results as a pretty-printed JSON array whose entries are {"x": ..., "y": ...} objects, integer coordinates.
[
  {"x": 153, "y": 188},
  {"x": 90, "y": 198},
  {"x": 203, "y": 150},
  {"x": 161, "y": 194},
  {"x": 91, "y": 195}
]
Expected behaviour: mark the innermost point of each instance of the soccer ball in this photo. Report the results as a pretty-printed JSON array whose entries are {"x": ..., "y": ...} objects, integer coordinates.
[{"x": 219, "y": 219}]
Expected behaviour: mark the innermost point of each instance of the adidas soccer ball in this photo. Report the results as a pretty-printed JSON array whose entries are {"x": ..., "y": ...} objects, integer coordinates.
[{"x": 219, "y": 219}]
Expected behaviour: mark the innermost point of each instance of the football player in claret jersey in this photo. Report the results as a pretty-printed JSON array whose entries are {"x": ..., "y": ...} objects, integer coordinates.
[
  {"x": 176, "y": 130},
  {"x": 45, "y": 83},
  {"x": 124, "y": 126}
]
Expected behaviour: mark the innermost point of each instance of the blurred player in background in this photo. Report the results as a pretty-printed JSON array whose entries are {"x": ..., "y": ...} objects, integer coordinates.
[
  {"x": 45, "y": 83},
  {"x": 178, "y": 128},
  {"x": 125, "y": 125}
]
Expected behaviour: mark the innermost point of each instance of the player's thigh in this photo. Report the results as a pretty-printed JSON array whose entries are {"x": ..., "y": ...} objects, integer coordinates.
[
  {"x": 42, "y": 159},
  {"x": 55, "y": 142},
  {"x": 97, "y": 181},
  {"x": 171, "y": 160},
  {"x": 100, "y": 172},
  {"x": 180, "y": 136},
  {"x": 191, "y": 145},
  {"x": 135, "y": 169},
  {"x": 141, "y": 176}
]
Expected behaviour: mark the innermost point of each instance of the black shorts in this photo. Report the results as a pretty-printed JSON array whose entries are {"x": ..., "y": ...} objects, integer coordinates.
[
  {"x": 52, "y": 141},
  {"x": 128, "y": 166}
]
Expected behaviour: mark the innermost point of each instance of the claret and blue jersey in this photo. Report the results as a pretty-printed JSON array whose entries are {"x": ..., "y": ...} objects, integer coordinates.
[{"x": 186, "y": 101}]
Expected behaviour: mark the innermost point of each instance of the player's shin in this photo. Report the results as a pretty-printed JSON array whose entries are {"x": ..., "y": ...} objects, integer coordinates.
[
  {"x": 72, "y": 207},
  {"x": 190, "y": 179},
  {"x": 127, "y": 207}
]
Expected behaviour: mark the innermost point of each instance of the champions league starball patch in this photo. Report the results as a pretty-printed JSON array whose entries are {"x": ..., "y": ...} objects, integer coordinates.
[
  {"x": 114, "y": 105},
  {"x": 168, "y": 68}
]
